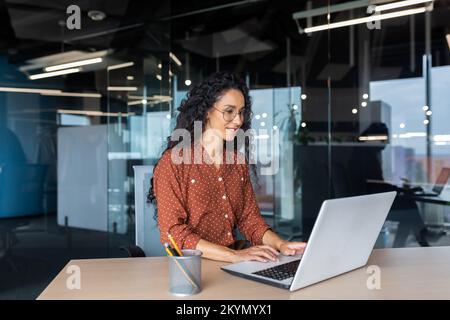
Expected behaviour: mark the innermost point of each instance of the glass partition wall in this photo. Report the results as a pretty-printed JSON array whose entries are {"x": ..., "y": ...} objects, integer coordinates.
[
  {"x": 338, "y": 110},
  {"x": 139, "y": 92},
  {"x": 352, "y": 88},
  {"x": 71, "y": 130}
]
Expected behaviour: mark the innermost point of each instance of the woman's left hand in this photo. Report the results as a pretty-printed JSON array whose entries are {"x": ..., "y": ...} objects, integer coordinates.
[{"x": 292, "y": 248}]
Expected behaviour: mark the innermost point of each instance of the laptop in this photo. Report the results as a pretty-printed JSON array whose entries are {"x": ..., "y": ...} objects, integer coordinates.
[
  {"x": 441, "y": 182},
  {"x": 342, "y": 240}
]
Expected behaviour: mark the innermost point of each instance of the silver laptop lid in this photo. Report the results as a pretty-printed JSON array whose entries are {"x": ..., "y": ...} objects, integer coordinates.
[{"x": 343, "y": 237}]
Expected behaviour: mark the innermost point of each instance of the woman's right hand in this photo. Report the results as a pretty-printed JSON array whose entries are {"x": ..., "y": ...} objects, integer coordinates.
[{"x": 261, "y": 253}]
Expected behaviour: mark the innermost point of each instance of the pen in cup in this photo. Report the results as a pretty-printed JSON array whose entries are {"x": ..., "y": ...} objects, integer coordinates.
[
  {"x": 181, "y": 267},
  {"x": 174, "y": 244}
]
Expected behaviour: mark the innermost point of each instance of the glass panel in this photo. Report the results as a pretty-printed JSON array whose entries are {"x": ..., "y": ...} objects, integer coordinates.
[
  {"x": 384, "y": 128},
  {"x": 139, "y": 92},
  {"x": 67, "y": 140}
]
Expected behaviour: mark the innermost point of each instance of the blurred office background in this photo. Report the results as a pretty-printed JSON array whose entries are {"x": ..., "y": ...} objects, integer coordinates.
[{"x": 359, "y": 109}]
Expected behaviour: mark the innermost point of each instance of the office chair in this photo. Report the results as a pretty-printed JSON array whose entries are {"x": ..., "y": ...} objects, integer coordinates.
[{"x": 146, "y": 227}]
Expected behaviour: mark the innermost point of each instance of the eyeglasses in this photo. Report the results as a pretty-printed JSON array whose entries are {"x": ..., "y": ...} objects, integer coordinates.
[{"x": 229, "y": 115}]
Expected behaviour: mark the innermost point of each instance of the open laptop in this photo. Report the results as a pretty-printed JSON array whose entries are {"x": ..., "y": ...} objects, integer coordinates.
[
  {"x": 342, "y": 240},
  {"x": 440, "y": 184}
]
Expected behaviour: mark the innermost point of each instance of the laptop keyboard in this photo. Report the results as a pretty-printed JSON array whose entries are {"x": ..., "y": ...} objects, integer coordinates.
[{"x": 280, "y": 272}]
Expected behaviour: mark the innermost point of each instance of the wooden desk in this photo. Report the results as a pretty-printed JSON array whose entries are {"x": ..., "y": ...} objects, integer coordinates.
[{"x": 406, "y": 273}]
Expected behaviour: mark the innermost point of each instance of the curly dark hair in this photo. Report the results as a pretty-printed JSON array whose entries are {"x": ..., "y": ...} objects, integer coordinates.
[{"x": 199, "y": 100}]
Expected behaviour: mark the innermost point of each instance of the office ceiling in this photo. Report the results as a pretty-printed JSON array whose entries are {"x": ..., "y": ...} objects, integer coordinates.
[{"x": 246, "y": 36}]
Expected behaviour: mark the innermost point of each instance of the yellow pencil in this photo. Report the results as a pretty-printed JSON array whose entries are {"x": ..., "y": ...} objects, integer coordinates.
[
  {"x": 175, "y": 245},
  {"x": 181, "y": 268}
]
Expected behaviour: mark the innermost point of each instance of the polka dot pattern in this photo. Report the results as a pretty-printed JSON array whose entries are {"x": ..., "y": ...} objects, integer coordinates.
[{"x": 200, "y": 201}]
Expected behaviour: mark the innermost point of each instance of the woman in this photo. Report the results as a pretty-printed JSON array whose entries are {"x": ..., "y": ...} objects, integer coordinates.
[{"x": 200, "y": 201}]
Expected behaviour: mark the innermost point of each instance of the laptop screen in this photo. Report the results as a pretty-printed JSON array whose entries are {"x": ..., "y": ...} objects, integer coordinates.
[{"x": 441, "y": 180}]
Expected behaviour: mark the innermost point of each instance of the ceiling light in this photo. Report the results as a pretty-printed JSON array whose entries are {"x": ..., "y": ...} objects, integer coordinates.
[
  {"x": 28, "y": 90},
  {"x": 408, "y": 135},
  {"x": 354, "y": 111},
  {"x": 120, "y": 65},
  {"x": 364, "y": 20},
  {"x": 159, "y": 77},
  {"x": 51, "y": 92},
  {"x": 53, "y": 74},
  {"x": 175, "y": 59},
  {"x": 429, "y": 113},
  {"x": 96, "y": 15},
  {"x": 364, "y": 104},
  {"x": 74, "y": 94},
  {"x": 187, "y": 82},
  {"x": 402, "y": 125},
  {"x": 73, "y": 64},
  {"x": 303, "y": 96},
  {"x": 93, "y": 113},
  {"x": 373, "y": 138},
  {"x": 122, "y": 88},
  {"x": 365, "y": 96},
  {"x": 303, "y": 124},
  {"x": 442, "y": 137},
  {"x": 426, "y": 121},
  {"x": 130, "y": 78},
  {"x": 399, "y": 4},
  {"x": 425, "y": 108}
]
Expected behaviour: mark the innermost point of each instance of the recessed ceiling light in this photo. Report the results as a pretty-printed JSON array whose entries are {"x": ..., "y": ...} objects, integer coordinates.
[{"x": 96, "y": 15}]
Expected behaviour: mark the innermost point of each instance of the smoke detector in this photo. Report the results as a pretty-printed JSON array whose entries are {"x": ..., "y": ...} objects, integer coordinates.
[{"x": 96, "y": 15}]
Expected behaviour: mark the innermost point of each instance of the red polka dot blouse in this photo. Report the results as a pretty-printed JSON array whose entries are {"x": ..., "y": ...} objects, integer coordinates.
[{"x": 199, "y": 201}]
